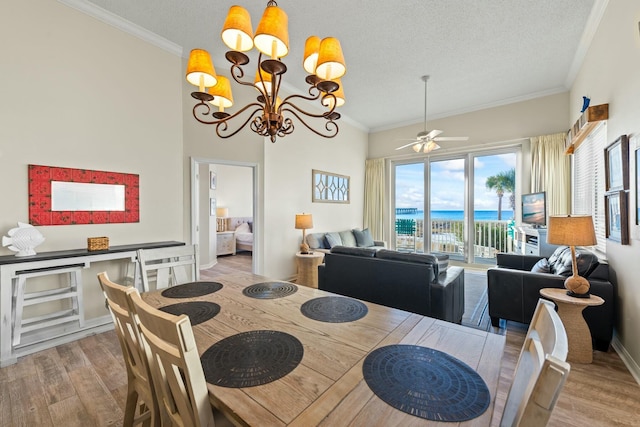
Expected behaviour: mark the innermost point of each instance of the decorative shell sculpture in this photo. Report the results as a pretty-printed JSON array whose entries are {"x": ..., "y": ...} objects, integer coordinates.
[{"x": 23, "y": 239}]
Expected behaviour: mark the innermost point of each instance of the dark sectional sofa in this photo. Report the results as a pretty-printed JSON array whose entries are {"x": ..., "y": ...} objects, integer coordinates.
[
  {"x": 514, "y": 288},
  {"x": 419, "y": 283}
]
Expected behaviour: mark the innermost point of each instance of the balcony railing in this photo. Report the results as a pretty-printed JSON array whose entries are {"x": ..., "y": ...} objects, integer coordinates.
[{"x": 447, "y": 237}]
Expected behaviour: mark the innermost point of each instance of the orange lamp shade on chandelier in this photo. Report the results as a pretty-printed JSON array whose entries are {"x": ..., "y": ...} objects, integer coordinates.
[
  {"x": 303, "y": 222},
  {"x": 271, "y": 115},
  {"x": 573, "y": 231}
]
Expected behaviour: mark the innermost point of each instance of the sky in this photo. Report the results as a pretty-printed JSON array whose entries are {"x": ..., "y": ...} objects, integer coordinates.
[{"x": 447, "y": 183}]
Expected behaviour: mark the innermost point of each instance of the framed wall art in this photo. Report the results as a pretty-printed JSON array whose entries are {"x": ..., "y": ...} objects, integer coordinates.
[
  {"x": 213, "y": 180},
  {"x": 616, "y": 164},
  {"x": 329, "y": 187},
  {"x": 617, "y": 217},
  {"x": 638, "y": 186}
]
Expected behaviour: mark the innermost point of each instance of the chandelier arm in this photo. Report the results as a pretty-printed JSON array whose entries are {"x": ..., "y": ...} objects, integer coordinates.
[
  {"x": 328, "y": 125},
  {"x": 306, "y": 113},
  {"x": 226, "y": 119},
  {"x": 230, "y": 117}
]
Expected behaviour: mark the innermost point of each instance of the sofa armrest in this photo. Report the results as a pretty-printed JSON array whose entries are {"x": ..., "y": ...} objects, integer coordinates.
[
  {"x": 517, "y": 262},
  {"x": 382, "y": 243}
]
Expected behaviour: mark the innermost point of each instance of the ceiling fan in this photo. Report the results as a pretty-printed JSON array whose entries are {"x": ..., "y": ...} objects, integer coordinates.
[{"x": 426, "y": 141}]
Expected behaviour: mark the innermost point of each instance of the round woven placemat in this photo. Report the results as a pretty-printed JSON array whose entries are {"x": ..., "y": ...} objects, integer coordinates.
[
  {"x": 334, "y": 309},
  {"x": 251, "y": 358},
  {"x": 426, "y": 383},
  {"x": 270, "y": 290},
  {"x": 198, "y": 311},
  {"x": 192, "y": 289}
]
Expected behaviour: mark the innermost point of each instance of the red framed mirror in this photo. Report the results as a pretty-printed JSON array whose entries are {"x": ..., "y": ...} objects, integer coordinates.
[{"x": 67, "y": 196}]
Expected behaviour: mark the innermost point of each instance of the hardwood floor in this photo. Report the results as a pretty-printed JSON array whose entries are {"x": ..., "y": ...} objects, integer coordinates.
[{"x": 84, "y": 382}]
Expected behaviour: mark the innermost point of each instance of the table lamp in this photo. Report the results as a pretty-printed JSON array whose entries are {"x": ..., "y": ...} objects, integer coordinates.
[
  {"x": 303, "y": 222},
  {"x": 222, "y": 214},
  {"x": 573, "y": 231}
]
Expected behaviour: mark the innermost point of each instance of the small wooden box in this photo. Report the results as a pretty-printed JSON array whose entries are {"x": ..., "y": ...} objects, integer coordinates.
[{"x": 97, "y": 243}]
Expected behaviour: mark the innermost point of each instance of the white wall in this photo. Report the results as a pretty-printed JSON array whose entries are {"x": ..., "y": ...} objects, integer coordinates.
[
  {"x": 235, "y": 189},
  {"x": 609, "y": 74},
  {"x": 79, "y": 93},
  {"x": 541, "y": 116}
]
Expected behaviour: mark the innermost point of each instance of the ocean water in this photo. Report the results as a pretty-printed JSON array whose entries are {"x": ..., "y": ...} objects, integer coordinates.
[{"x": 459, "y": 215}]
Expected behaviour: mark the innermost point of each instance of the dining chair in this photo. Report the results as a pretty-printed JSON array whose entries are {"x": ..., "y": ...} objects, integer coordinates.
[
  {"x": 140, "y": 394},
  {"x": 180, "y": 386},
  {"x": 168, "y": 266},
  {"x": 541, "y": 371}
]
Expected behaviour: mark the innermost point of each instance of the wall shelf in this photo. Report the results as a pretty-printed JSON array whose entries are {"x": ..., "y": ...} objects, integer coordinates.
[{"x": 584, "y": 125}]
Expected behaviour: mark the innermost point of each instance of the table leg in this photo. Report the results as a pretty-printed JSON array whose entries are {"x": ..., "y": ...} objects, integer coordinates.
[{"x": 578, "y": 334}]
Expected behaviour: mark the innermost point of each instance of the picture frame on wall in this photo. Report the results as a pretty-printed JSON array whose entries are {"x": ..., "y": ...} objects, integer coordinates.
[
  {"x": 213, "y": 180},
  {"x": 616, "y": 164},
  {"x": 638, "y": 186},
  {"x": 617, "y": 217}
]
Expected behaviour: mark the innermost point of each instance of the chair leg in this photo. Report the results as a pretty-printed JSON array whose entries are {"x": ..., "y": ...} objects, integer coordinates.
[{"x": 131, "y": 405}]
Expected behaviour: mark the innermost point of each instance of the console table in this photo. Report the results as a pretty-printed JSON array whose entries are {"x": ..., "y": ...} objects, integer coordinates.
[{"x": 66, "y": 325}]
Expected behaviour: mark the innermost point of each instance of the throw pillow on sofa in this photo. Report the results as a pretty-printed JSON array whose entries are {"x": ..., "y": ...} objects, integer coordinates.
[
  {"x": 364, "y": 239},
  {"x": 333, "y": 239},
  {"x": 541, "y": 266},
  {"x": 347, "y": 238}
]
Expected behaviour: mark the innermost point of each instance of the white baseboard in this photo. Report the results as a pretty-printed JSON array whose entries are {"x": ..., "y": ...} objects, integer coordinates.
[{"x": 626, "y": 358}]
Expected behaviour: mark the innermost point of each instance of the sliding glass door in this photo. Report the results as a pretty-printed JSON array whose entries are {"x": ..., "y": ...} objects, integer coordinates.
[{"x": 458, "y": 205}]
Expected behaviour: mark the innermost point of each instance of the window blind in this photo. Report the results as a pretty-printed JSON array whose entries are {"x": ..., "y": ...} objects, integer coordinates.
[{"x": 588, "y": 180}]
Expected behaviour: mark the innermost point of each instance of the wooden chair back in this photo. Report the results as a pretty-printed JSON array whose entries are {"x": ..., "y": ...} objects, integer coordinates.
[
  {"x": 140, "y": 384},
  {"x": 179, "y": 379},
  {"x": 541, "y": 371},
  {"x": 169, "y": 266}
]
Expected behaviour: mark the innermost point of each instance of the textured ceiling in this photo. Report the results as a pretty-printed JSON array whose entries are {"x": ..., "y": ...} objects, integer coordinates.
[{"x": 479, "y": 53}]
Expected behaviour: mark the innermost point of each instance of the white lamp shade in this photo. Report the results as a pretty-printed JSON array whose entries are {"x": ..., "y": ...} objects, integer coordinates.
[{"x": 304, "y": 221}]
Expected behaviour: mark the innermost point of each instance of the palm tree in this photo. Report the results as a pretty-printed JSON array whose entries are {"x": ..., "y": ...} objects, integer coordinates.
[{"x": 503, "y": 182}]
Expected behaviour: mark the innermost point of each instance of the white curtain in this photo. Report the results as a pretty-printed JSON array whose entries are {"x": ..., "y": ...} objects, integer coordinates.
[
  {"x": 551, "y": 172},
  {"x": 374, "y": 197}
]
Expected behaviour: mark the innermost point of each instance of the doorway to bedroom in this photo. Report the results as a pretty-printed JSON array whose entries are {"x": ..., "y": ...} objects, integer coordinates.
[{"x": 223, "y": 208}]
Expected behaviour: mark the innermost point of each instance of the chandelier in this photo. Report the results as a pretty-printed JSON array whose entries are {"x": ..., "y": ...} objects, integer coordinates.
[{"x": 270, "y": 116}]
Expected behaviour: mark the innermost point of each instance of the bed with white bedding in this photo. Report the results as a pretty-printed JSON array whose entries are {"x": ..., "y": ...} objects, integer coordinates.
[{"x": 243, "y": 231}]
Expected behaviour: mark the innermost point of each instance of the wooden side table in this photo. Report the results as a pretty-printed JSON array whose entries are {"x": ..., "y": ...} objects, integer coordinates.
[
  {"x": 570, "y": 312},
  {"x": 308, "y": 268}
]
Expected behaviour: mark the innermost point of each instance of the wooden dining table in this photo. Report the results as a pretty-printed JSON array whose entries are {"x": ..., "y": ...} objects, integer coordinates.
[{"x": 328, "y": 387}]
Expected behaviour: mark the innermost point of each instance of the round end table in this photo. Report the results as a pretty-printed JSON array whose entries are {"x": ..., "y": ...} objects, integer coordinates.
[
  {"x": 308, "y": 268},
  {"x": 570, "y": 312}
]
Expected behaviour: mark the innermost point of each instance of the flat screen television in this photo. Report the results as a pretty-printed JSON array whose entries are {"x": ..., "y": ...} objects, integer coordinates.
[{"x": 534, "y": 209}]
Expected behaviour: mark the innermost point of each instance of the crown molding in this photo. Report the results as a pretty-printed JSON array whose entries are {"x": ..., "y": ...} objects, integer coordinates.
[{"x": 124, "y": 25}]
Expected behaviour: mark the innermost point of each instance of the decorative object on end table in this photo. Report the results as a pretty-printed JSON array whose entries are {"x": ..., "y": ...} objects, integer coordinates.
[
  {"x": 616, "y": 164},
  {"x": 23, "y": 239},
  {"x": 573, "y": 231},
  {"x": 617, "y": 216},
  {"x": 303, "y": 222},
  {"x": 97, "y": 243}
]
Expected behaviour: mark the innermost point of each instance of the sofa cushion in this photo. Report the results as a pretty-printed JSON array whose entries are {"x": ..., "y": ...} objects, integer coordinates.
[
  {"x": 350, "y": 250},
  {"x": 347, "y": 238},
  {"x": 364, "y": 239},
  {"x": 317, "y": 241},
  {"x": 333, "y": 239},
  {"x": 541, "y": 266},
  {"x": 409, "y": 257}
]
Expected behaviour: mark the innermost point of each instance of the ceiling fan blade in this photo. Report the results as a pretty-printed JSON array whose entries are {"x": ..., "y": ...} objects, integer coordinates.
[
  {"x": 408, "y": 145},
  {"x": 433, "y": 133},
  {"x": 451, "y": 138}
]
